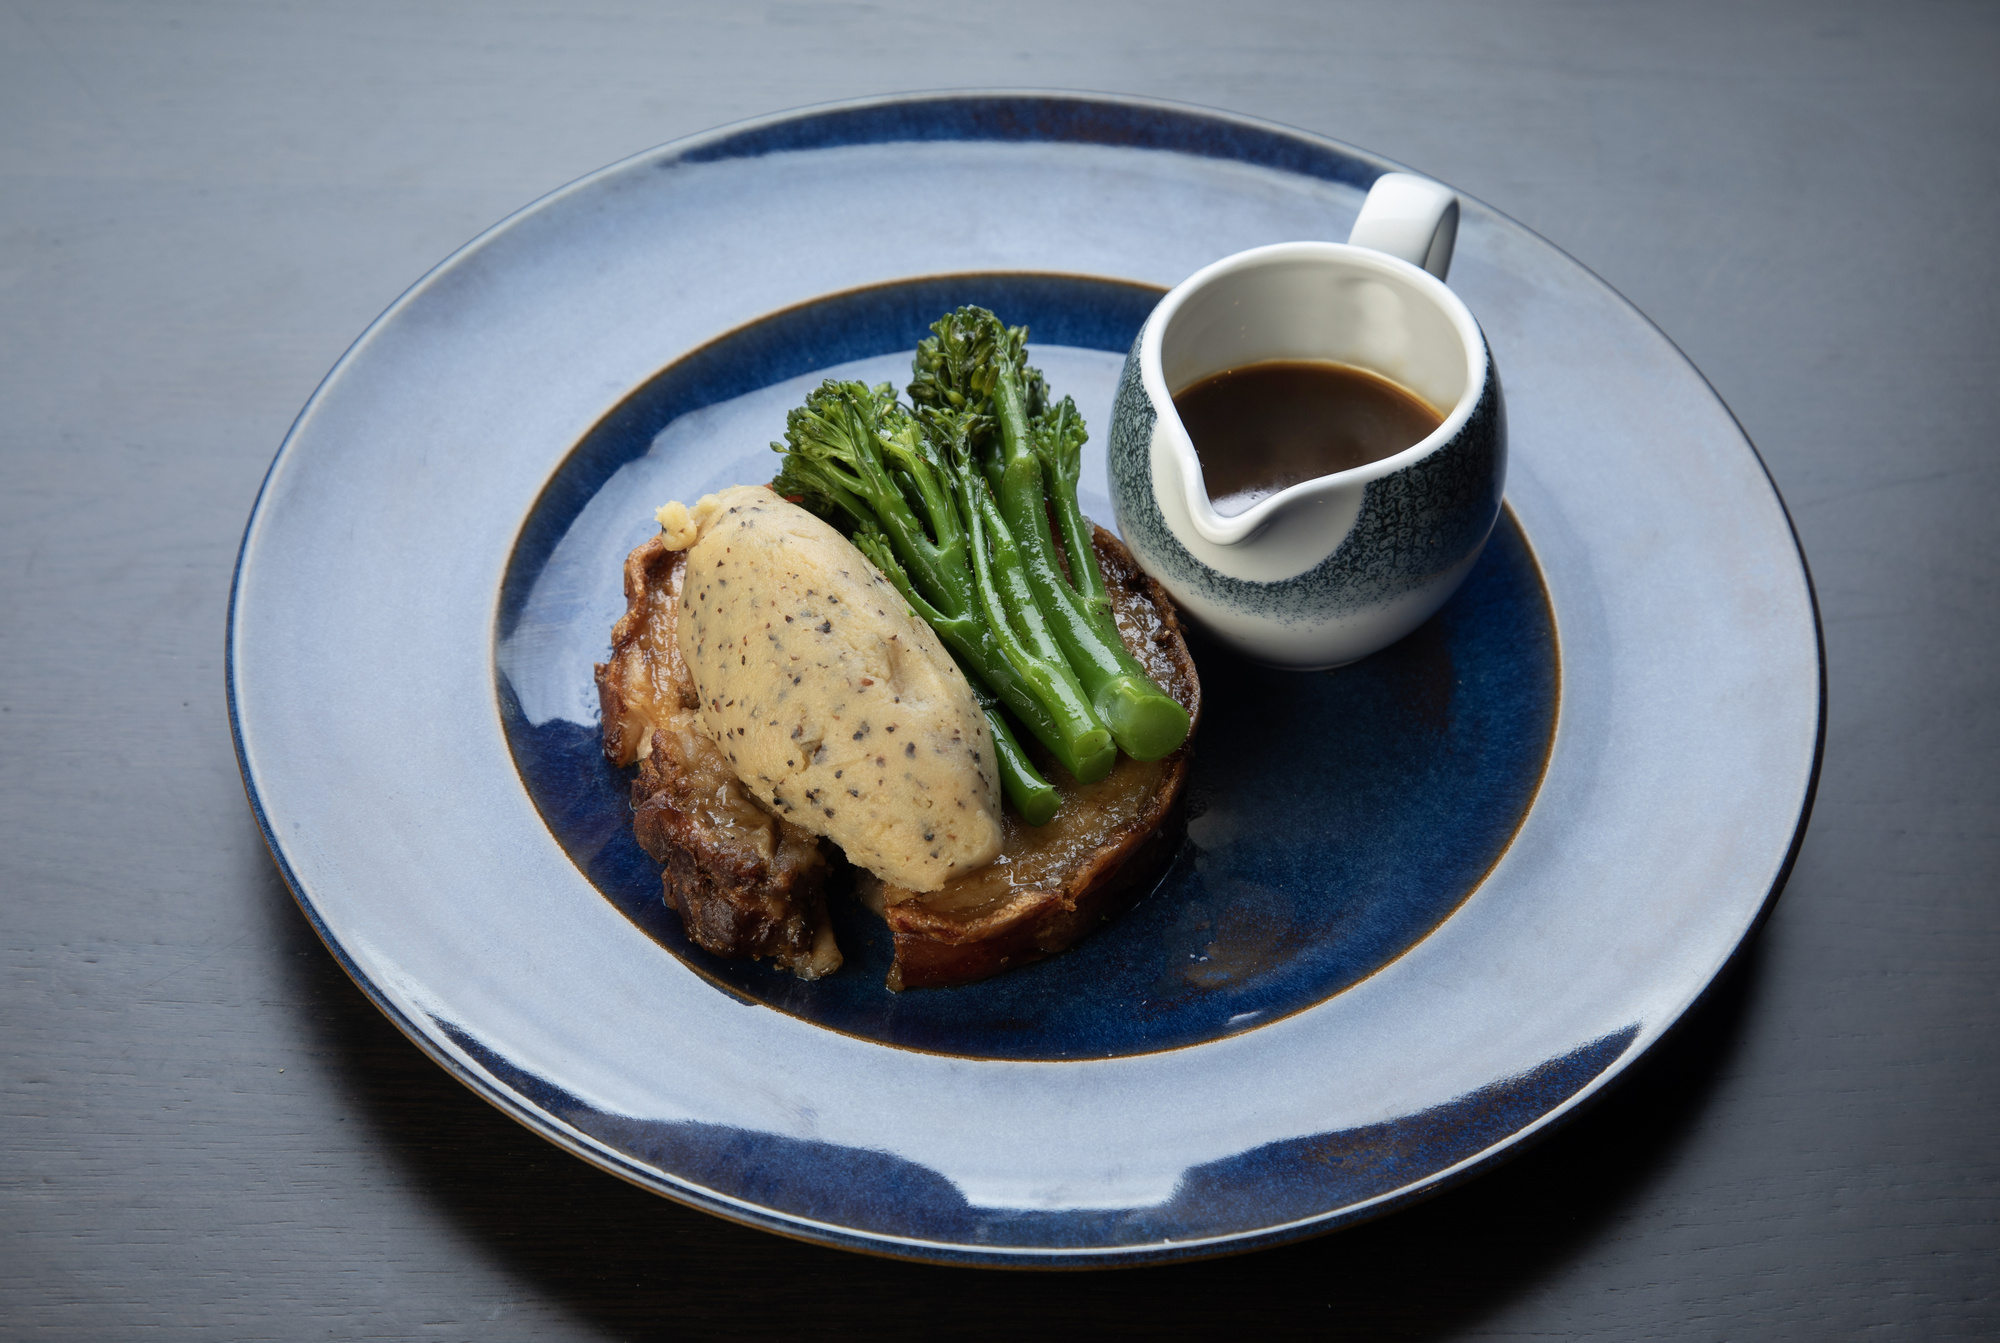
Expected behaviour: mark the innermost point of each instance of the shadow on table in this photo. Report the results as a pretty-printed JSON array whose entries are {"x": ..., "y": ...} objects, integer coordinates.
[{"x": 635, "y": 1265}]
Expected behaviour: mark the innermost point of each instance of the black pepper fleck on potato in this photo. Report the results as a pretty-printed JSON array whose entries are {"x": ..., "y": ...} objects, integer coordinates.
[{"x": 797, "y": 716}]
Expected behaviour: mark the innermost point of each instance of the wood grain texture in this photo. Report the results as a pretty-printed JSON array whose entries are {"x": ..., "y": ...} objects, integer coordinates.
[{"x": 206, "y": 1131}]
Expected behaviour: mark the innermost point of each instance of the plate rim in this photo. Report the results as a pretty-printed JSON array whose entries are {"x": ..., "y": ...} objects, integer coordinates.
[{"x": 547, "y": 1126}]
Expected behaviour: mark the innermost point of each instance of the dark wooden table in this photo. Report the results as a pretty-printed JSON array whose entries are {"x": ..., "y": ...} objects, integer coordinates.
[{"x": 208, "y": 1132}]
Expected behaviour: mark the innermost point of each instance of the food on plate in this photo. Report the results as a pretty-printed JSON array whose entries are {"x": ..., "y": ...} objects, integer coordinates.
[
  {"x": 800, "y": 702},
  {"x": 838, "y": 709},
  {"x": 953, "y": 501},
  {"x": 744, "y": 881},
  {"x": 1109, "y": 842}
]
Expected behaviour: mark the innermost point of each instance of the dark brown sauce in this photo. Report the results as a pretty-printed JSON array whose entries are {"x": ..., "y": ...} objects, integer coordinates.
[{"x": 1265, "y": 427}]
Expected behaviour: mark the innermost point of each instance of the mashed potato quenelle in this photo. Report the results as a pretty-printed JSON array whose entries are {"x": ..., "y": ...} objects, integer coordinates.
[{"x": 838, "y": 709}]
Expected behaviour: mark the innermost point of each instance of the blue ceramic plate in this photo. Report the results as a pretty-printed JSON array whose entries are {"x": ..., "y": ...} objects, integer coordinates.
[{"x": 1427, "y": 906}]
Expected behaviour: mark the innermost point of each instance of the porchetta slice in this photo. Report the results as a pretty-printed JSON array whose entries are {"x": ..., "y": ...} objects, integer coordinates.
[
  {"x": 745, "y": 882},
  {"x": 750, "y": 883}
]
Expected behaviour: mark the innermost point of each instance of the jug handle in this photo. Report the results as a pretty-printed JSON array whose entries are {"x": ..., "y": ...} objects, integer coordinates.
[{"x": 1411, "y": 218}]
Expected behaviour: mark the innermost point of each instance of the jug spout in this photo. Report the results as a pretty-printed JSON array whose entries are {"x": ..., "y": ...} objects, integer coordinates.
[{"x": 1278, "y": 537}]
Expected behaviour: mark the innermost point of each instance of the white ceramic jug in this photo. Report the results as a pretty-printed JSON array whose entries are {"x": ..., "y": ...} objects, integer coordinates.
[{"x": 1331, "y": 569}]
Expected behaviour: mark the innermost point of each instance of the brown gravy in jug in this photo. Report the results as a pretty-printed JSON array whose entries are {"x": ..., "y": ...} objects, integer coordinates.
[{"x": 1265, "y": 427}]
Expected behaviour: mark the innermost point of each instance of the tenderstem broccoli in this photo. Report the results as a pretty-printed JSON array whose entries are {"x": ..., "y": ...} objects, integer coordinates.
[
  {"x": 1032, "y": 795},
  {"x": 853, "y": 454},
  {"x": 974, "y": 389},
  {"x": 967, "y": 504}
]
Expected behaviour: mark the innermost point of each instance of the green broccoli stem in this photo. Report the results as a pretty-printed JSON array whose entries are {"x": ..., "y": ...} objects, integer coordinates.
[
  {"x": 1078, "y": 537},
  {"x": 1084, "y": 747},
  {"x": 1034, "y": 798},
  {"x": 1146, "y": 722},
  {"x": 992, "y": 680},
  {"x": 945, "y": 568}
]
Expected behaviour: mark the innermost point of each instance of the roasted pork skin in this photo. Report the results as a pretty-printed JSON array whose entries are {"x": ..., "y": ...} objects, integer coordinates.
[{"x": 745, "y": 882}]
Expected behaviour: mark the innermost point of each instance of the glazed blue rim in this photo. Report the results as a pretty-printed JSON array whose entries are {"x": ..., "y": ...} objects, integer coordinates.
[{"x": 1001, "y": 115}]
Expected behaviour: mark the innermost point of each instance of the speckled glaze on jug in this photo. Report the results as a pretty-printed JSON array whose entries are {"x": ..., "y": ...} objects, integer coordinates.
[{"x": 1332, "y": 569}]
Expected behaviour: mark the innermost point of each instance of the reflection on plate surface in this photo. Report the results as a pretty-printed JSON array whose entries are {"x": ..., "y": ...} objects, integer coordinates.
[
  {"x": 1269, "y": 1185},
  {"x": 1335, "y": 817}
]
